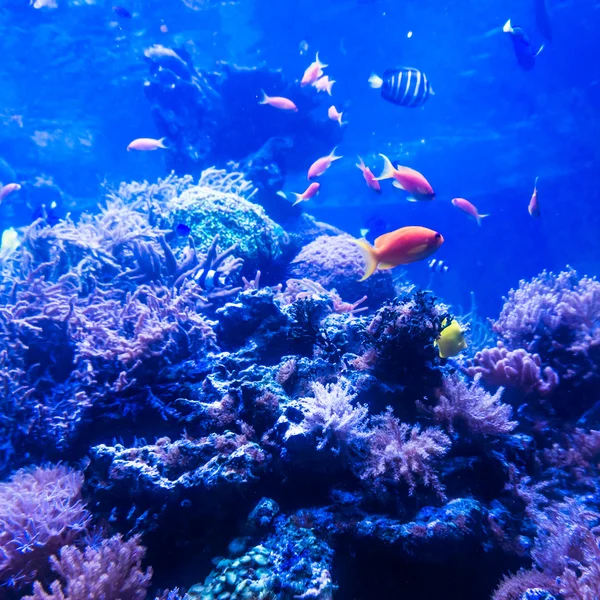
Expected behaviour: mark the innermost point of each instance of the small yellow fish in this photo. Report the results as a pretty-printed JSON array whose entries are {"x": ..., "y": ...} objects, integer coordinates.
[
  {"x": 9, "y": 242},
  {"x": 451, "y": 340}
]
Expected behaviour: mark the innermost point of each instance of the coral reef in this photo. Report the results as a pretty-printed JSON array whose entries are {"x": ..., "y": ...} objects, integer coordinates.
[{"x": 336, "y": 263}]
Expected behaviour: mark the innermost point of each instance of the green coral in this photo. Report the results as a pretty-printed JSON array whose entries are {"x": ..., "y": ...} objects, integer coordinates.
[{"x": 208, "y": 212}]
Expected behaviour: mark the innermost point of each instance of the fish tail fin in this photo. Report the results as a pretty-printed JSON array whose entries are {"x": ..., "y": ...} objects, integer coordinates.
[
  {"x": 339, "y": 120},
  {"x": 161, "y": 142},
  {"x": 264, "y": 98},
  {"x": 370, "y": 256},
  {"x": 481, "y": 217},
  {"x": 535, "y": 183},
  {"x": 361, "y": 164},
  {"x": 375, "y": 81},
  {"x": 541, "y": 48},
  {"x": 333, "y": 156},
  {"x": 299, "y": 198},
  {"x": 329, "y": 86},
  {"x": 388, "y": 169},
  {"x": 431, "y": 92},
  {"x": 321, "y": 65},
  {"x": 507, "y": 27}
]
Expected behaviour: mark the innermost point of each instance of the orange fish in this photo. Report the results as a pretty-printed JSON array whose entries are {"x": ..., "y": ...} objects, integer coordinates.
[
  {"x": 401, "y": 247},
  {"x": 311, "y": 191},
  {"x": 278, "y": 102},
  {"x": 313, "y": 72},
  {"x": 369, "y": 177},
  {"x": 468, "y": 208},
  {"x": 534, "y": 205},
  {"x": 324, "y": 84},
  {"x": 322, "y": 164},
  {"x": 334, "y": 115},
  {"x": 407, "y": 179}
]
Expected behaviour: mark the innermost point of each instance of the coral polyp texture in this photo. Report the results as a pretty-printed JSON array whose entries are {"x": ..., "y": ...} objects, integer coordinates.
[{"x": 229, "y": 415}]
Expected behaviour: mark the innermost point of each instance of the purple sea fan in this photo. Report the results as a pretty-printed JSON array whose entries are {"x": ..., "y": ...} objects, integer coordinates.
[
  {"x": 331, "y": 414},
  {"x": 112, "y": 571},
  {"x": 406, "y": 454},
  {"x": 518, "y": 368},
  {"x": 473, "y": 408},
  {"x": 40, "y": 511}
]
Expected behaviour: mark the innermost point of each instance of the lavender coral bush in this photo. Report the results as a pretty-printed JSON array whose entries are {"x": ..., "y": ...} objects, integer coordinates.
[
  {"x": 111, "y": 571},
  {"x": 332, "y": 416},
  {"x": 405, "y": 454},
  {"x": 41, "y": 510},
  {"x": 471, "y": 408}
]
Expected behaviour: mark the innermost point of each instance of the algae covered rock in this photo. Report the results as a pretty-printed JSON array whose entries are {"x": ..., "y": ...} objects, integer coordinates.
[
  {"x": 208, "y": 212},
  {"x": 336, "y": 262}
]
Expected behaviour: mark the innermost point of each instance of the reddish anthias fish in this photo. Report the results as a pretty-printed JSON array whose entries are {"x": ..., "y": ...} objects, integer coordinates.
[
  {"x": 311, "y": 191},
  {"x": 534, "y": 204},
  {"x": 469, "y": 208},
  {"x": 401, "y": 247},
  {"x": 324, "y": 84},
  {"x": 407, "y": 179},
  {"x": 278, "y": 102},
  {"x": 322, "y": 164},
  {"x": 313, "y": 72},
  {"x": 146, "y": 144},
  {"x": 8, "y": 189},
  {"x": 369, "y": 177},
  {"x": 334, "y": 115}
]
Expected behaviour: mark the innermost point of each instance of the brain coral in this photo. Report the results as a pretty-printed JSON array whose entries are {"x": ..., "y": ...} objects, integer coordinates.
[
  {"x": 207, "y": 212},
  {"x": 336, "y": 262}
]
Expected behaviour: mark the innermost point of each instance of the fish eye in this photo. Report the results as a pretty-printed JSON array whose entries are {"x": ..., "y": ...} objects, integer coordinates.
[{"x": 438, "y": 236}]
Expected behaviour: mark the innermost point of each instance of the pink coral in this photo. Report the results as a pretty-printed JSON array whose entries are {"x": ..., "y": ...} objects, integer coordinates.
[
  {"x": 473, "y": 408},
  {"x": 517, "y": 368},
  {"x": 405, "y": 454},
  {"x": 40, "y": 511},
  {"x": 112, "y": 571}
]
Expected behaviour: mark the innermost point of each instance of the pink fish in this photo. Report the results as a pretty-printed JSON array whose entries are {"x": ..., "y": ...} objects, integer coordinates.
[
  {"x": 322, "y": 164},
  {"x": 146, "y": 144},
  {"x": 369, "y": 177},
  {"x": 407, "y": 179},
  {"x": 8, "y": 189},
  {"x": 534, "y": 203},
  {"x": 313, "y": 72},
  {"x": 278, "y": 102},
  {"x": 468, "y": 208},
  {"x": 334, "y": 115},
  {"x": 311, "y": 191},
  {"x": 324, "y": 84}
]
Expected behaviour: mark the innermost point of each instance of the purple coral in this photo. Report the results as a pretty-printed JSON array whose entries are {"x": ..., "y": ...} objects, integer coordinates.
[
  {"x": 331, "y": 414},
  {"x": 336, "y": 263},
  {"x": 518, "y": 368},
  {"x": 405, "y": 454},
  {"x": 40, "y": 511},
  {"x": 471, "y": 407},
  {"x": 112, "y": 571},
  {"x": 548, "y": 305}
]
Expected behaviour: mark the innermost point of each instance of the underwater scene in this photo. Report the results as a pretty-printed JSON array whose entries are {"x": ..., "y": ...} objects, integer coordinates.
[{"x": 299, "y": 300}]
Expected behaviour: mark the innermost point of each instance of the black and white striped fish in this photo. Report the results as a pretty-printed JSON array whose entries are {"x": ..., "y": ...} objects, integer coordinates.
[
  {"x": 404, "y": 86},
  {"x": 212, "y": 279},
  {"x": 437, "y": 266}
]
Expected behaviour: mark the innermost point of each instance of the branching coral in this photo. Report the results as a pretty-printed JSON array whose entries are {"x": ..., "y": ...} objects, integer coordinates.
[
  {"x": 111, "y": 571},
  {"x": 472, "y": 408},
  {"x": 331, "y": 414},
  {"x": 518, "y": 369},
  {"x": 40, "y": 511},
  {"x": 405, "y": 454}
]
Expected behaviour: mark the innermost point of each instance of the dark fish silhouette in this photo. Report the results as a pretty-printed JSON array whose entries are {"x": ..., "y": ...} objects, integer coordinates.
[
  {"x": 524, "y": 50},
  {"x": 404, "y": 86},
  {"x": 122, "y": 12},
  {"x": 542, "y": 19}
]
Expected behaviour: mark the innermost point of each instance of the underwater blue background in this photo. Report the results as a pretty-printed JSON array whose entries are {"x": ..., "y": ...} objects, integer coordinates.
[{"x": 75, "y": 75}]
